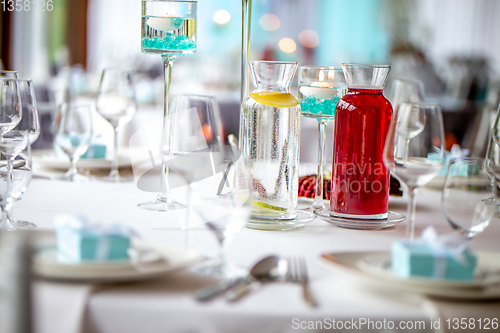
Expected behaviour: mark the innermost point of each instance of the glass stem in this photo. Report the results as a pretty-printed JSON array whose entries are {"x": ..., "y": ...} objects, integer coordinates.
[
  {"x": 410, "y": 231},
  {"x": 114, "y": 168},
  {"x": 405, "y": 152},
  {"x": 6, "y": 224},
  {"x": 318, "y": 196},
  {"x": 245, "y": 47},
  {"x": 164, "y": 194}
]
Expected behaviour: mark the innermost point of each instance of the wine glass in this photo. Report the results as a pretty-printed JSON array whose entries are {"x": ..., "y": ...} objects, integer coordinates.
[
  {"x": 320, "y": 88},
  {"x": 30, "y": 123},
  {"x": 406, "y": 91},
  {"x": 469, "y": 196},
  {"x": 168, "y": 29},
  {"x": 225, "y": 208},
  {"x": 414, "y": 149},
  {"x": 20, "y": 178},
  {"x": 116, "y": 103},
  {"x": 73, "y": 131}
]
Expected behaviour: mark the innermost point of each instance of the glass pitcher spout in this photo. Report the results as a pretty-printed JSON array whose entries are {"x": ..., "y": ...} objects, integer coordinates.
[{"x": 272, "y": 75}]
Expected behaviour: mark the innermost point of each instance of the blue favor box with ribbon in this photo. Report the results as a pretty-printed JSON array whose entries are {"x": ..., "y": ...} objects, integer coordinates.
[
  {"x": 80, "y": 240},
  {"x": 433, "y": 258}
]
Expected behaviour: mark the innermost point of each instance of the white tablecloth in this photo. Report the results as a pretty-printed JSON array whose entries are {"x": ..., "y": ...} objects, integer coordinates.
[{"x": 167, "y": 304}]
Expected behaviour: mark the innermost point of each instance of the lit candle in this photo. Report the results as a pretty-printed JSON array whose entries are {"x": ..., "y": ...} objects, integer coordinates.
[{"x": 320, "y": 90}]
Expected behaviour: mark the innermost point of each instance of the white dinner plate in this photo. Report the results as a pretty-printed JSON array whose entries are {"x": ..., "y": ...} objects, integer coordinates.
[
  {"x": 158, "y": 260},
  {"x": 48, "y": 159},
  {"x": 374, "y": 268}
]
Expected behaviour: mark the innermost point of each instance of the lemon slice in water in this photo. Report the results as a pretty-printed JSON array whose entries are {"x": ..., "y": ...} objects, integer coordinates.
[
  {"x": 260, "y": 204},
  {"x": 275, "y": 98}
]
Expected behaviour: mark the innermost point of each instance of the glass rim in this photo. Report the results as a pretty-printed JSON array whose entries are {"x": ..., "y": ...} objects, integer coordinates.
[
  {"x": 194, "y": 95},
  {"x": 17, "y": 80},
  {"x": 365, "y": 65},
  {"x": 273, "y": 62},
  {"x": 428, "y": 105},
  {"x": 329, "y": 68},
  {"x": 7, "y": 71},
  {"x": 181, "y": 1}
]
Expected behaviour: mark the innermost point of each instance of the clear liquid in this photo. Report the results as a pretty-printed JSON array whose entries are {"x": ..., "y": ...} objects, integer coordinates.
[
  {"x": 270, "y": 139},
  {"x": 115, "y": 108},
  {"x": 168, "y": 35},
  {"x": 73, "y": 145},
  {"x": 319, "y": 102}
]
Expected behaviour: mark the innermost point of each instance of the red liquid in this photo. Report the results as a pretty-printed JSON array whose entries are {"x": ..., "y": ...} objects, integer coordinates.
[{"x": 360, "y": 180}]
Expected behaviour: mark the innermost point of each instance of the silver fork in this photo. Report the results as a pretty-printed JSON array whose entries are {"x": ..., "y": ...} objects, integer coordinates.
[{"x": 298, "y": 273}]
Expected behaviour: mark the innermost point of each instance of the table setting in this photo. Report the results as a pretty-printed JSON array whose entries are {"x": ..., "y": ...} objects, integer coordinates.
[{"x": 242, "y": 236}]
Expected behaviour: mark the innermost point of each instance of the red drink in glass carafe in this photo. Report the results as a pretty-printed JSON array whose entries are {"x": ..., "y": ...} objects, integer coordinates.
[{"x": 360, "y": 180}]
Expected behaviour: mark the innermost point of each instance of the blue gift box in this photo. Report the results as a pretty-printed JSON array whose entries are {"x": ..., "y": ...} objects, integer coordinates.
[
  {"x": 421, "y": 259},
  {"x": 95, "y": 151},
  {"x": 78, "y": 240}
]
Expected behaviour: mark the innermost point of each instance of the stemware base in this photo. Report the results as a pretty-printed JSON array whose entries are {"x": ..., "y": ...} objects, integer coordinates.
[
  {"x": 16, "y": 225},
  {"x": 75, "y": 177},
  {"x": 160, "y": 205},
  {"x": 116, "y": 179},
  {"x": 22, "y": 225},
  {"x": 216, "y": 269},
  {"x": 368, "y": 224},
  {"x": 301, "y": 220}
]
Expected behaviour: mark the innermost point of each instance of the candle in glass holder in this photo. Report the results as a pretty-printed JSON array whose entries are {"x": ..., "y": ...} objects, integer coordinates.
[{"x": 318, "y": 99}]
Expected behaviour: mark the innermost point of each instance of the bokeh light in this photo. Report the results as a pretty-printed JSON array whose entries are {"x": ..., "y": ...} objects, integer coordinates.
[
  {"x": 287, "y": 45},
  {"x": 309, "y": 38},
  {"x": 269, "y": 22},
  {"x": 221, "y": 16}
]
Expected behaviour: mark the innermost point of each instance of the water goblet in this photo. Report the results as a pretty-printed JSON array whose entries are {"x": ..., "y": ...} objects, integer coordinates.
[
  {"x": 73, "y": 131},
  {"x": 414, "y": 149},
  {"x": 168, "y": 29},
  {"x": 117, "y": 104},
  {"x": 20, "y": 178},
  {"x": 469, "y": 196},
  {"x": 320, "y": 88}
]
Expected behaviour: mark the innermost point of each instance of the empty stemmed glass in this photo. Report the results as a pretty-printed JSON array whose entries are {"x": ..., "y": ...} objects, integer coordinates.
[
  {"x": 116, "y": 103},
  {"x": 20, "y": 178},
  {"x": 30, "y": 125},
  {"x": 10, "y": 105},
  {"x": 225, "y": 208},
  {"x": 73, "y": 131},
  {"x": 469, "y": 196},
  {"x": 414, "y": 149}
]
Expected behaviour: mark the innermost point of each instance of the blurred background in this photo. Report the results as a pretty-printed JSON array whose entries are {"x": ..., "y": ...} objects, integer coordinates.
[{"x": 452, "y": 46}]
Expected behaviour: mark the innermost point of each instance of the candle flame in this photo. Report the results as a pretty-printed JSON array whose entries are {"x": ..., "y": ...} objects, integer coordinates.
[
  {"x": 321, "y": 76},
  {"x": 331, "y": 75}
]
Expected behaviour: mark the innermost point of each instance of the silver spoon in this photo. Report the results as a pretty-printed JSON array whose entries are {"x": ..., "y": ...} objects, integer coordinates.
[{"x": 268, "y": 269}]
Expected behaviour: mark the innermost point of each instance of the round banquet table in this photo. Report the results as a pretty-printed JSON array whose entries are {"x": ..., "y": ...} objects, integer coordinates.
[{"x": 166, "y": 304}]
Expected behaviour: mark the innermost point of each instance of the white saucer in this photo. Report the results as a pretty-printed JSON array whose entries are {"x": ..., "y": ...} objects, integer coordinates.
[
  {"x": 48, "y": 159},
  {"x": 393, "y": 219},
  {"x": 301, "y": 220},
  {"x": 373, "y": 268},
  {"x": 158, "y": 260}
]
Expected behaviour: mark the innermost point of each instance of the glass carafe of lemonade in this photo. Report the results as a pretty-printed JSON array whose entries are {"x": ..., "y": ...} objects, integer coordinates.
[
  {"x": 269, "y": 140},
  {"x": 360, "y": 180}
]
